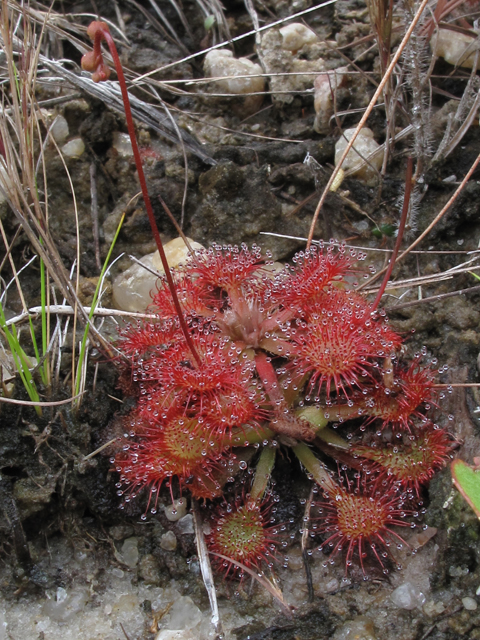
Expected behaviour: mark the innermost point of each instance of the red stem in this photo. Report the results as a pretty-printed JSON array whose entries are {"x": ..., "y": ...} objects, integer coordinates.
[
  {"x": 401, "y": 229},
  {"x": 104, "y": 34}
]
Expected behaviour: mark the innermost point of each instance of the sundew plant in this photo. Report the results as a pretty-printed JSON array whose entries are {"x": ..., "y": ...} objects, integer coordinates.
[{"x": 247, "y": 359}]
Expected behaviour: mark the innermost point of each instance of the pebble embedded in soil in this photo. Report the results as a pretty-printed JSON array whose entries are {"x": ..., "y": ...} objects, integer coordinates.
[
  {"x": 407, "y": 596},
  {"x": 168, "y": 541},
  {"x": 130, "y": 552},
  {"x": 325, "y": 86},
  {"x": 132, "y": 289},
  {"x": 177, "y": 510},
  {"x": 238, "y": 76},
  {"x": 74, "y": 148},
  {"x": 122, "y": 144},
  {"x": 364, "y": 145},
  {"x": 295, "y": 35},
  {"x": 469, "y": 603},
  {"x": 59, "y": 129},
  {"x": 185, "y": 525},
  {"x": 454, "y": 47},
  {"x": 361, "y": 628}
]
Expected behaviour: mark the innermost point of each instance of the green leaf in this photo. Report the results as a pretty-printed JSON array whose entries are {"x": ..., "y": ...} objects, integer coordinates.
[
  {"x": 209, "y": 22},
  {"x": 467, "y": 481}
]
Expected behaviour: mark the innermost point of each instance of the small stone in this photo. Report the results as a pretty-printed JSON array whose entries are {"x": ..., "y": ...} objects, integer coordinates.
[
  {"x": 168, "y": 541},
  {"x": 406, "y": 596},
  {"x": 177, "y": 510},
  {"x": 132, "y": 289},
  {"x": 325, "y": 86},
  {"x": 74, "y": 149},
  {"x": 65, "y": 606},
  {"x": 61, "y": 595},
  {"x": 59, "y": 130},
  {"x": 118, "y": 573},
  {"x": 432, "y": 608},
  {"x": 122, "y": 144},
  {"x": 220, "y": 63},
  {"x": 130, "y": 552},
  {"x": 470, "y": 604},
  {"x": 364, "y": 145},
  {"x": 148, "y": 569},
  {"x": 295, "y": 35},
  {"x": 121, "y": 531},
  {"x": 455, "y": 48},
  {"x": 332, "y": 586},
  {"x": 184, "y": 614},
  {"x": 185, "y": 525},
  {"x": 359, "y": 629}
]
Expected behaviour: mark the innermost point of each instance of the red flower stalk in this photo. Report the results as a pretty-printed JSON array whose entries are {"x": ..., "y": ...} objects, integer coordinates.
[
  {"x": 93, "y": 61},
  {"x": 358, "y": 521},
  {"x": 411, "y": 463}
]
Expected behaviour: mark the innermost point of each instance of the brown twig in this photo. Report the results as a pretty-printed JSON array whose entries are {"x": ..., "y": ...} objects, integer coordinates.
[
  {"x": 364, "y": 118},
  {"x": 437, "y": 219},
  {"x": 441, "y": 296},
  {"x": 401, "y": 229}
]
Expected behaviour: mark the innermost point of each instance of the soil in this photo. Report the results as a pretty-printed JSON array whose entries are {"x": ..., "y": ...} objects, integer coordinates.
[{"x": 62, "y": 526}]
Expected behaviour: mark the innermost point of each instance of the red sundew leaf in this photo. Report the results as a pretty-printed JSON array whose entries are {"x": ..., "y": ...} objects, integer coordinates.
[
  {"x": 192, "y": 294},
  {"x": 222, "y": 367},
  {"x": 145, "y": 337},
  {"x": 177, "y": 447},
  {"x": 236, "y": 406},
  {"x": 339, "y": 342},
  {"x": 413, "y": 462},
  {"x": 410, "y": 396},
  {"x": 358, "y": 520},
  {"x": 316, "y": 268},
  {"x": 243, "y": 533},
  {"x": 228, "y": 268}
]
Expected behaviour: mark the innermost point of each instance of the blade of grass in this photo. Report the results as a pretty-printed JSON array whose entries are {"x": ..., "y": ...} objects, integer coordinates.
[
  {"x": 20, "y": 358},
  {"x": 83, "y": 346}
]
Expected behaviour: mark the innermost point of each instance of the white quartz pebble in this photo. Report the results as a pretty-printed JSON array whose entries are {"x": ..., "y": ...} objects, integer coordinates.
[
  {"x": 364, "y": 145},
  {"x": 236, "y": 76},
  {"x": 295, "y": 35},
  {"x": 132, "y": 288},
  {"x": 59, "y": 130},
  {"x": 74, "y": 148},
  {"x": 454, "y": 47}
]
